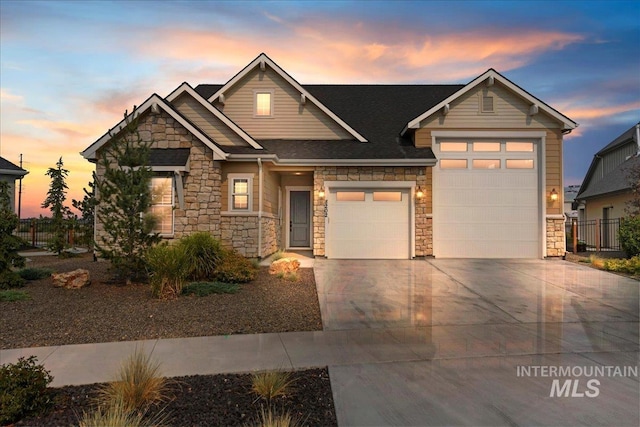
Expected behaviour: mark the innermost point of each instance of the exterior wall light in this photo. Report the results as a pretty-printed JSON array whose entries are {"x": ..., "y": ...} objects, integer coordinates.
[
  {"x": 419, "y": 193},
  {"x": 321, "y": 193},
  {"x": 553, "y": 196}
]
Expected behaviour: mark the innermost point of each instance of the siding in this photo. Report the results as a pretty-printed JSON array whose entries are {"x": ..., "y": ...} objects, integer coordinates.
[
  {"x": 290, "y": 120},
  {"x": 271, "y": 190},
  {"x": 554, "y": 171},
  {"x": 511, "y": 111},
  {"x": 197, "y": 114},
  {"x": 593, "y": 208}
]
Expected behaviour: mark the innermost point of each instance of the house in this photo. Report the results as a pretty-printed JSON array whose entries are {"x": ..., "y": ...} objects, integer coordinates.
[
  {"x": 9, "y": 173},
  {"x": 606, "y": 188},
  {"x": 570, "y": 193},
  {"x": 357, "y": 171}
]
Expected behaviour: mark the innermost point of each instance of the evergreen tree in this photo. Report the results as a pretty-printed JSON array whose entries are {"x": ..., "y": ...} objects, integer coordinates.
[
  {"x": 124, "y": 196},
  {"x": 60, "y": 214},
  {"x": 87, "y": 207},
  {"x": 9, "y": 244}
]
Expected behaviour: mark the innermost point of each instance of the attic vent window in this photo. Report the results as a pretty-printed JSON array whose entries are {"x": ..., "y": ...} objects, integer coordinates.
[
  {"x": 263, "y": 103},
  {"x": 487, "y": 104}
]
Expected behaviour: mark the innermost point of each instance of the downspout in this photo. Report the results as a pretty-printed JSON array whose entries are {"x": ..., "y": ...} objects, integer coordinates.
[
  {"x": 638, "y": 138},
  {"x": 260, "y": 182}
]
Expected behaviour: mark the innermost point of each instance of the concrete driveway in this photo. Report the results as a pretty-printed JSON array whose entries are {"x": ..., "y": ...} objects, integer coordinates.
[{"x": 480, "y": 342}]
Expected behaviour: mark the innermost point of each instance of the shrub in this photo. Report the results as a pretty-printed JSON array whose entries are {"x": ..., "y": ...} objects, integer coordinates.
[
  {"x": 10, "y": 279},
  {"x": 203, "y": 253},
  {"x": 23, "y": 390},
  {"x": 168, "y": 270},
  {"x": 11, "y": 295},
  {"x": 277, "y": 255},
  {"x": 235, "y": 268},
  {"x": 137, "y": 386},
  {"x": 270, "y": 418},
  {"x": 631, "y": 266},
  {"x": 34, "y": 273},
  {"x": 291, "y": 276},
  {"x": 202, "y": 289},
  {"x": 271, "y": 384},
  {"x": 117, "y": 416},
  {"x": 596, "y": 261},
  {"x": 629, "y": 234}
]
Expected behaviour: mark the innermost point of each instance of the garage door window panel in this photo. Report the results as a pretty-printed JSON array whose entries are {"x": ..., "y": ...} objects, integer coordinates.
[
  {"x": 387, "y": 196},
  {"x": 453, "y": 164},
  {"x": 486, "y": 146},
  {"x": 486, "y": 163},
  {"x": 350, "y": 196},
  {"x": 519, "y": 163},
  {"x": 447, "y": 147},
  {"x": 526, "y": 147}
]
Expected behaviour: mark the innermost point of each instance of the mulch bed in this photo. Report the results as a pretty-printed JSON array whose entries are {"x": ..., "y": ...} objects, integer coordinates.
[
  {"x": 106, "y": 312},
  {"x": 211, "y": 400}
]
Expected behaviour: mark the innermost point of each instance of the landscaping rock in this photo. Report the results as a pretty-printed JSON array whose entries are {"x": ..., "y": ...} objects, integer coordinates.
[
  {"x": 284, "y": 266},
  {"x": 75, "y": 279}
]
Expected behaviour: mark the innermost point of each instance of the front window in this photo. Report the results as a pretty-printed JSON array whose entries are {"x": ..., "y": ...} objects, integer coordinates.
[
  {"x": 240, "y": 192},
  {"x": 162, "y": 204}
]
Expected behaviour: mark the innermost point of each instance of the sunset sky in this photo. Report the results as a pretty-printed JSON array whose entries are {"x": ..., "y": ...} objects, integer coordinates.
[{"x": 68, "y": 70}]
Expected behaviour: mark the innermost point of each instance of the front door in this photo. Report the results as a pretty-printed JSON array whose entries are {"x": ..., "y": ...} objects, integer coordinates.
[{"x": 300, "y": 219}]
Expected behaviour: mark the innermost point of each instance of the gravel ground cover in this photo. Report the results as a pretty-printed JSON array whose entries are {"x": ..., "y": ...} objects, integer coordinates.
[
  {"x": 211, "y": 400},
  {"x": 106, "y": 311}
]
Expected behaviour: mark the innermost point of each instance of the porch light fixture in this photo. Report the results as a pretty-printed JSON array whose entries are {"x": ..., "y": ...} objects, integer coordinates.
[
  {"x": 553, "y": 196},
  {"x": 321, "y": 193},
  {"x": 419, "y": 193}
]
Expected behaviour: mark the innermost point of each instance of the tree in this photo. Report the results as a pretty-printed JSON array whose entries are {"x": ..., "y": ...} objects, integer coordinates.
[
  {"x": 633, "y": 178},
  {"x": 124, "y": 198},
  {"x": 9, "y": 244},
  {"x": 87, "y": 207},
  {"x": 60, "y": 214}
]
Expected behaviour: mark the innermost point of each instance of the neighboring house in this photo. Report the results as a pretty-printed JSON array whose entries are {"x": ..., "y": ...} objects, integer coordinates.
[
  {"x": 606, "y": 188},
  {"x": 357, "y": 171},
  {"x": 9, "y": 173},
  {"x": 570, "y": 193}
]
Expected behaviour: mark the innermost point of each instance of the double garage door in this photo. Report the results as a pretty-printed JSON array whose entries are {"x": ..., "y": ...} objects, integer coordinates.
[
  {"x": 369, "y": 223},
  {"x": 486, "y": 202}
]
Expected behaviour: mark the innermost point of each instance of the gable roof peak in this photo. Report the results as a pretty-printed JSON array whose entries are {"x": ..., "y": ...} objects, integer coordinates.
[
  {"x": 263, "y": 61},
  {"x": 491, "y": 75}
]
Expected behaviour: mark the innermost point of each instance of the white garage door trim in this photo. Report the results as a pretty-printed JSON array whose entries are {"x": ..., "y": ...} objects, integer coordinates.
[
  {"x": 330, "y": 186},
  {"x": 537, "y": 137}
]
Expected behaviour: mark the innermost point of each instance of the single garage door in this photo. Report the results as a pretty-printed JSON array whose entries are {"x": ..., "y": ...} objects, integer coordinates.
[
  {"x": 486, "y": 200},
  {"x": 368, "y": 224}
]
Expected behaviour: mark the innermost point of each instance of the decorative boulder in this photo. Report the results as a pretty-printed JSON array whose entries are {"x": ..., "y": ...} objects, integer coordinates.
[
  {"x": 75, "y": 279},
  {"x": 284, "y": 266}
]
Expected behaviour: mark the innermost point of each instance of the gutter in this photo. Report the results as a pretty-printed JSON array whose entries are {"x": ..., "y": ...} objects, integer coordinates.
[
  {"x": 260, "y": 184},
  {"x": 334, "y": 162}
]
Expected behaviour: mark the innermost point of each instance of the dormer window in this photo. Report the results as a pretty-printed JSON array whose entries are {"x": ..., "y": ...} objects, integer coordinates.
[{"x": 263, "y": 103}]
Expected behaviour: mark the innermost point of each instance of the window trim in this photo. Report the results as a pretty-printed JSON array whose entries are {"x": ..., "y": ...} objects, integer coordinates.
[
  {"x": 173, "y": 203},
  {"x": 257, "y": 92},
  {"x": 231, "y": 178}
]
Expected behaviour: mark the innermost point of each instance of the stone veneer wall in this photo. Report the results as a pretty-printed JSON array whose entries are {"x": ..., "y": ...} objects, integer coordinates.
[
  {"x": 423, "y": 228},
  {"x": 202, "y": 194},
  {"x": 240, "y": 232},
  {"x": 556, "y": 243}
]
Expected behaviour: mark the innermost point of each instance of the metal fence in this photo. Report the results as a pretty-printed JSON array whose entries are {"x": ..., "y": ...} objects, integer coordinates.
[
  {"x": 37, "y": 232},
  {"x": 593, "y": 235}
]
